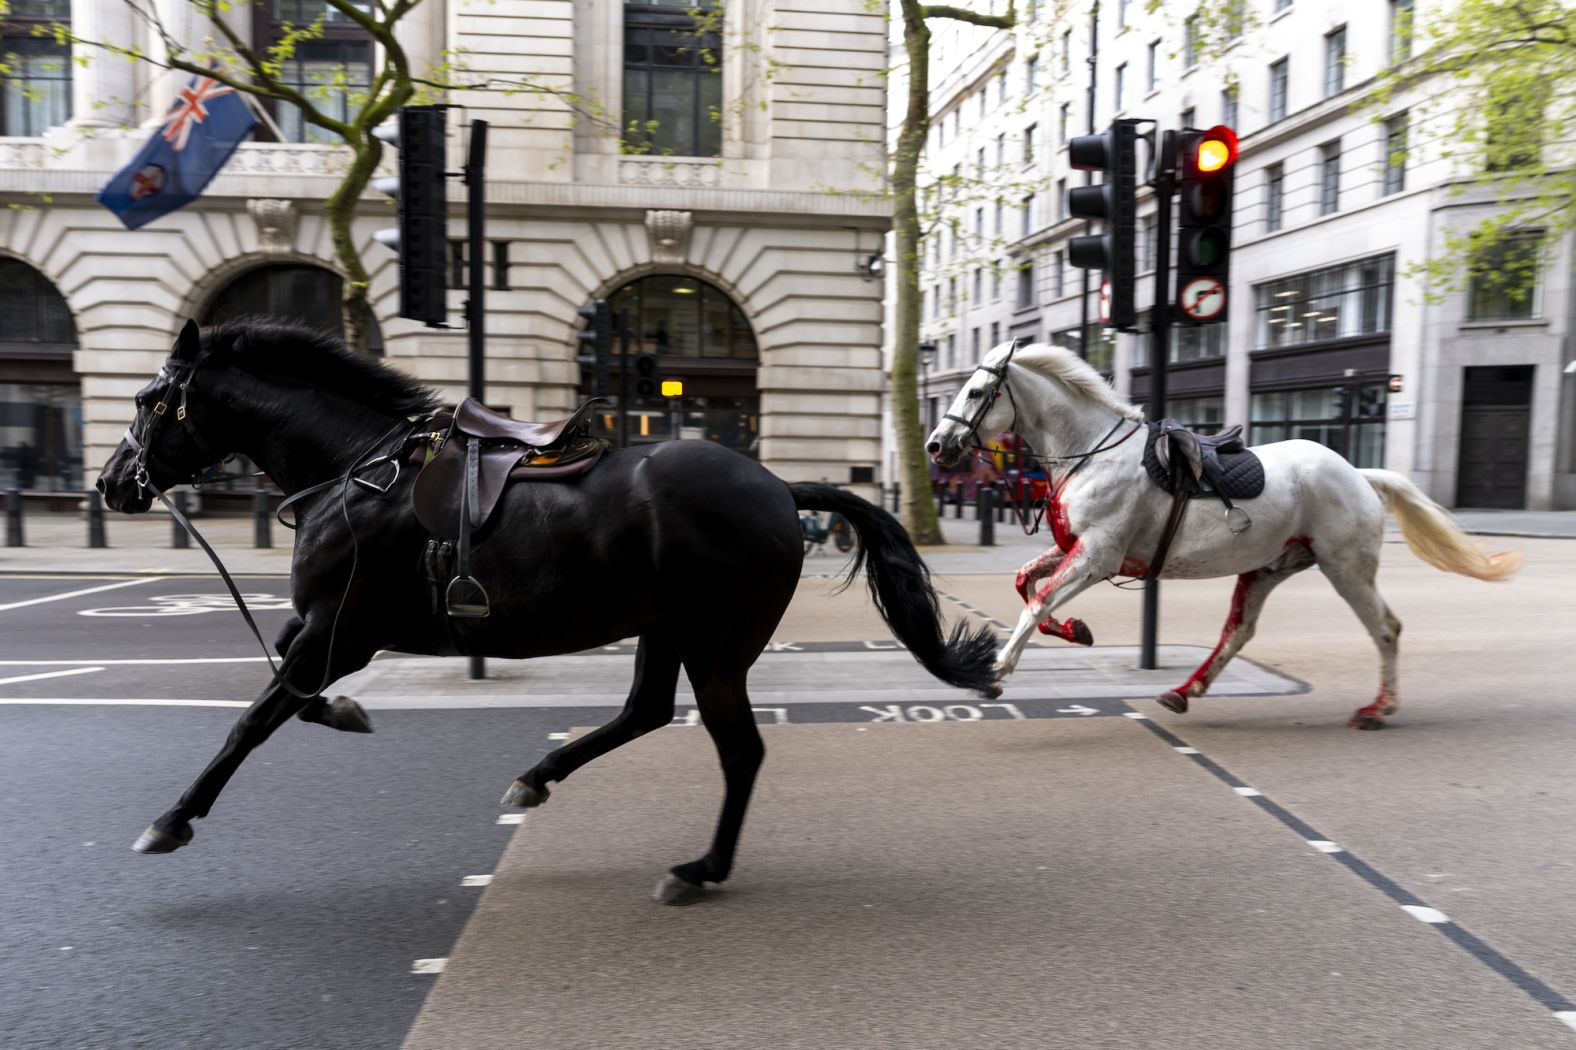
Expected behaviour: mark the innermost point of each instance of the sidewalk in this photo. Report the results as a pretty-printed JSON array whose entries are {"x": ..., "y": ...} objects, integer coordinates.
[{"x": 57, "y": 543}]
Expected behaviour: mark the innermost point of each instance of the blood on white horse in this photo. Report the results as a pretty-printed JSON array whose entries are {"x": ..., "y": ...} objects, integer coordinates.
[{"x": 1107, "y": 516}]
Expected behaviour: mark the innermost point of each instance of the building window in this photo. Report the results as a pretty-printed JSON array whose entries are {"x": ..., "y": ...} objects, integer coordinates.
[
  {"x": 1001, "y": 87},
  {"x": 1274, "y": 196},
  {"x": 672, "y": 82},
  {"x": 982, "y": 96},
  {"x": 1121, "y": 87},
  {"x": 995, "y": 334},
  {"x": 1335, "y": 62},
  {"x": 1281, "y": 5},
  {"x": 1517, "y": 115},
  {"x": 1188, "y": 116},
  {"x": 333, "y": 69},
  {"x": 1400, "y": 30},
  {"x": 1504, "y": 278},
  {"x": 306, "y": 293},
  {"x": 1026, "y": 286},
  {"x": 1148, "y": 241},
  {"x": 952, "y": 350},
  {"x": 1102, "y": 345},
  {"x": 1067, "y": 53},
  {"x": 1031, "y": 75},
  {"x": 1058, "y": 275},
  {"x": 34, "y": 318},
  {"x": 1028, "y": 143},
  {"x": 1330, "y": 177},
  {"x": 1028, "y": 215},
  {"x": 979, "y": 222},
  {"x": 1395, "y": 154},
  {"x": 1152, "y": 80},
  {"x": 1349, "y": 418},
  {"x": 1198, "y": 342},
  {"x": 1190, "y": 42},
  {"x": 1334, "y": 303},
  {"x": 1228, "y": 107},
  {"x": 1001, "y": 150},
  {"x": 1278, "y": 74},
  {"x": 1121, "y": 14},
  {"x": 1203, "y": 415},
  {"x": 952, "y": 295},
  {"x": 1064, "y": 115},
  {"x": 979, "y": 164},
  {"x": 1001, "y": 212},
  {"x": 995, "y": 279},
  {"x": 979, "y": 284},
  {"x": 1061, "y": 199},
  {"x": 974, "y": 344},
  {"x": 35, "y": 91}
]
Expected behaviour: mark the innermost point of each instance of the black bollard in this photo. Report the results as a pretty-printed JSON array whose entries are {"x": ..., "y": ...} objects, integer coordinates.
[
  {"x": 957, "y": 505},
  {"x": 1001, "y": 504},
  {"x": 262, "y": 537},
  {"x": 13, "y": 517},
  {"x": 987, "y": 519},
  {"x": 96, "y": 520},
  {"x": 178, "y": 537},
  {"x": 897, "y": 497}
]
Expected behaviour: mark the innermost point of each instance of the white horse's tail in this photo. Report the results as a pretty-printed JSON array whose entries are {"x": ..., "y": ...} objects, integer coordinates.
[{"x": 1433, "y": 535}]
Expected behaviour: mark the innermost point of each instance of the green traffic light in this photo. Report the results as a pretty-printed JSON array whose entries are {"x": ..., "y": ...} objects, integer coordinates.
[{"x": 1208, "y": 247}]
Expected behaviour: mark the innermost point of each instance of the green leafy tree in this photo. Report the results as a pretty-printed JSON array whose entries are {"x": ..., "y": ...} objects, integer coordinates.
[{"x": 1495, "y": 83}]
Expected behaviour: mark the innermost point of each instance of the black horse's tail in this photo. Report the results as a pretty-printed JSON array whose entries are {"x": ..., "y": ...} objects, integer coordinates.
[{"x": 900, "y": 587}]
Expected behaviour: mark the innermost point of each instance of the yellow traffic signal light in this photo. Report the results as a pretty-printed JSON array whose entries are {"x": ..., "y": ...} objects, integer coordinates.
[{"x": 1216, "y": 150}]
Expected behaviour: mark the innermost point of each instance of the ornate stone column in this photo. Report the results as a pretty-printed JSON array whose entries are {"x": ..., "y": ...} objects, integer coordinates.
[{"x": 102, "y": 91}]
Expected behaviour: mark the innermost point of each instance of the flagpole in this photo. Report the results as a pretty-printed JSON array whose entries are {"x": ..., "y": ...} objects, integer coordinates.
[{"x": 255, "y": 104}]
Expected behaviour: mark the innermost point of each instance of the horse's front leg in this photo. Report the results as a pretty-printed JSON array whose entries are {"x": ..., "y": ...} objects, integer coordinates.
[
  {"x": 1091, "y": 559},
  {"x": 1033, "y": 572},
  {"x": 306, "y": 656}
]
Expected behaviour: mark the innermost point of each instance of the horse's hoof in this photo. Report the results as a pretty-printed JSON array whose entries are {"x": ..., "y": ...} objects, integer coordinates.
[
  {"x": 990, "y": 692},
  {"x": 347, "y": 716},
  {"x": 1365, "y": 721},
  {"x": 1172, "y": 701},
  {"x": 524, "y": 795},
  {"x": 676, "y": 891},
  {"x": 157, "y": 840},
  {"x": 1078, "y": 633}
]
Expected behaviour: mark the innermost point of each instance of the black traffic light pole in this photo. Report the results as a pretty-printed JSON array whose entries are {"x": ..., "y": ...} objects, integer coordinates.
[
  {"x": 476, "y": 304},
  {"x": 1160, "y": 328},
  {"x": 623, "y": 378}
]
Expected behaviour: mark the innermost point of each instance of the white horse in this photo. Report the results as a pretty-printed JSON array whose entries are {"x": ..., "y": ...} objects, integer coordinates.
[{"x": 1107, "y": 516}]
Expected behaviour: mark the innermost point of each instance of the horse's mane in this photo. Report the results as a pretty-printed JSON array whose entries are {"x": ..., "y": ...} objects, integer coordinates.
[
  {"x": 280, "y": 346},
  {"x": 1076, "y": 374}
]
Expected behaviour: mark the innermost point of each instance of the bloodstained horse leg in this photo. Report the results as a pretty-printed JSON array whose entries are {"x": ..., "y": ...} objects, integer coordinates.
[
  {"x": 1033, "y": 572},
  {"x": 1247, "y": 601},
  {"x": 649, "y": 706},
  {"x": 303, "y": 668}
]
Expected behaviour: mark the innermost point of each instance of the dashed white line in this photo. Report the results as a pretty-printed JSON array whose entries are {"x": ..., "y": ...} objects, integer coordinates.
[
  {"x": 428, "y": 965},
  {"x": 476, "y": 880},
  {"x": 1325, "y": 846},
  {"x": 1568, "y": 1017},
  {"x": 511, "y": 818},
  {"x": 1185, "y": 750},
  {"x": 49, "y": 674},
  {"x": 1135, "y": 715},
  {"x": 1247, "y": 792},
  {"x": 91, "y": 701},
  {"x": 1422, "y": 914},
  {"x": 71, "y": 594},
  {"x": 558, "y": 736}
]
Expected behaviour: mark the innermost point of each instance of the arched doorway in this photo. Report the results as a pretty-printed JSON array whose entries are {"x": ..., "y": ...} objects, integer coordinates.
[
  {"x": 700, "y": 338},
  {"x": 40, "y": 395},
  {"x": 299, "y": 292}
]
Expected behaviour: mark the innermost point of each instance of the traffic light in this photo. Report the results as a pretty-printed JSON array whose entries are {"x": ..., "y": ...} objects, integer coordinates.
[
  {"x": 422, "y": 237},
  {"x": 1114, "y": 202},
  {"x": 596, "y": 344},
  {"x": 1209, "y": 161},
  {"x": 645, "y": 375}
]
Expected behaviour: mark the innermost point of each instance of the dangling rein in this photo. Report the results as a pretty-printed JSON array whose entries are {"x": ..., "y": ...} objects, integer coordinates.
[{"x": 1030, "y": 518}]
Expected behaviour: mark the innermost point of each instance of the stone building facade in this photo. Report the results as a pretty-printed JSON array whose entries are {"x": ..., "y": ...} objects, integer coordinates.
[
  {"x": 739, "y": 236},
  {"x": 1328, "y": 336}
]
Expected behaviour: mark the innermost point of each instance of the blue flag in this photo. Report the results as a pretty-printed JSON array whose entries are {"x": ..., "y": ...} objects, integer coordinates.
[{"x": 206, "y": 123}]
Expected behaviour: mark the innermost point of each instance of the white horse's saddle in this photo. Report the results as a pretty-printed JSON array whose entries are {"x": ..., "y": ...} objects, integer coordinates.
[{"x": 1217, "y": 465}]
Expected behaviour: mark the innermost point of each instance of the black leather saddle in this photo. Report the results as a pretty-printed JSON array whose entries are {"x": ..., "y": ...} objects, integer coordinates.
[
  {"x": 475, "y": 453},
  {"x": 1189, "y": 465}
]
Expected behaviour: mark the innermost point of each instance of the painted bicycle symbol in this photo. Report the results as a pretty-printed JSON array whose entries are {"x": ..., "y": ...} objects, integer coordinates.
[{"x": 190, "y": 605}]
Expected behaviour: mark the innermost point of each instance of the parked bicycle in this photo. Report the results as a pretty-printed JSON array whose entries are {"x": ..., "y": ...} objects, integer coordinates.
[{"x": 817, "y": 533}]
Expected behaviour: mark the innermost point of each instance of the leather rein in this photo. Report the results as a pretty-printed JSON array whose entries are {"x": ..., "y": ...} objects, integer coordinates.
[
  {"x": 179, "y": 374},
  {"x": 1031, "y": 517}
]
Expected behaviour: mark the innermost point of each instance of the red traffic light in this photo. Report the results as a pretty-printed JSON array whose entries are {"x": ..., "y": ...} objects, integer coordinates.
[{"x": 1216, "y": 150}]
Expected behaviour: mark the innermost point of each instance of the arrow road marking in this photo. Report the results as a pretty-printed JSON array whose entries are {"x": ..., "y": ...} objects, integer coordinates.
[{"x": 1077, "y": 709}]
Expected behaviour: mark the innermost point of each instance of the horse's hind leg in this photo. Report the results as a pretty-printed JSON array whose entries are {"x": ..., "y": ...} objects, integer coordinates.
[
  {"x": 725, "y": 711},
  {"x": 1354, "y": 581},
  {"x": 649, "y": 706},
  {"x": 1247, "y": 601}
]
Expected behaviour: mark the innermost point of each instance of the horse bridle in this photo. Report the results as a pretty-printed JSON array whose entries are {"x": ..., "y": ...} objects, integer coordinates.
[
  {"x": 998, "y": 388},
  {"x": 177, "y": 375}
]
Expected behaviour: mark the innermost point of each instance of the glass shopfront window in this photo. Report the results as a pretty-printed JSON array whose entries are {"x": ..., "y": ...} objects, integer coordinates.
[
  {"x": 1334, "y": 303},
  {"x": 1102, "y": 345},
  {"x": 1205, "y": 415},
  {"x": 41, "y": 436},
  {"x": 1349, "y": 418}
]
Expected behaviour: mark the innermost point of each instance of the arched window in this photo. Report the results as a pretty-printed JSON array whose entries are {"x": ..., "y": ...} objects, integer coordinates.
[
  {"x": 303, "y": 293},
  {"x": 40, "y": 398},
  {"x": 701, "y": 340}
]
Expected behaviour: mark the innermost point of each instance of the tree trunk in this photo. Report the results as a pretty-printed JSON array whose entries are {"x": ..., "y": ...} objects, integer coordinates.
[
  {"x": 341, "y": 207},
  {"x": 919, "y": 508}
]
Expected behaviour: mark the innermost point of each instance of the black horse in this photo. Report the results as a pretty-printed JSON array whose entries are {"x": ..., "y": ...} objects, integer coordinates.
[{"x": 691, "y": 547}]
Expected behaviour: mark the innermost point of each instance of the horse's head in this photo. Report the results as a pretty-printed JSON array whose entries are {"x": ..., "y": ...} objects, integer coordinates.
[
  {"x": 162, "y": 446},
  {"x": 982, "y": 409}
]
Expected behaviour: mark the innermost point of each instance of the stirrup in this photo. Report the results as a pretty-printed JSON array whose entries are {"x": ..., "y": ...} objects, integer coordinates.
[{"x": 470, "y": 603}]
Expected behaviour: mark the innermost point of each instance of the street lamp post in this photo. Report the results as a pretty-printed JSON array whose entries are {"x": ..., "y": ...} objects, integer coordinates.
[{"x": 927, "y": 354}]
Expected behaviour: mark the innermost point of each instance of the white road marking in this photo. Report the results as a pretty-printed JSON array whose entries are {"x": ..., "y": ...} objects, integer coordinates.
[
  {"x": 511, "y": 818},
  {"x": 1422, "y": 914},
  {"x": 146, "y": 660},
  {"x": 1135, "y": 715},
  {"x": 558, "y": 736},
  {"x": 476, "y": 880},
  {"x": 428, "y": 965},
  {"x": 1567, "y": 1016},
  {"x": 1326, "y": 846},
  {"x": 1185, "y": 750},
  {"x": 1247, "y": 792},
  {"x": 152, "y": 701},
  {"x": 72, "y": 594},
  {"x": 49, "y": 674}
]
